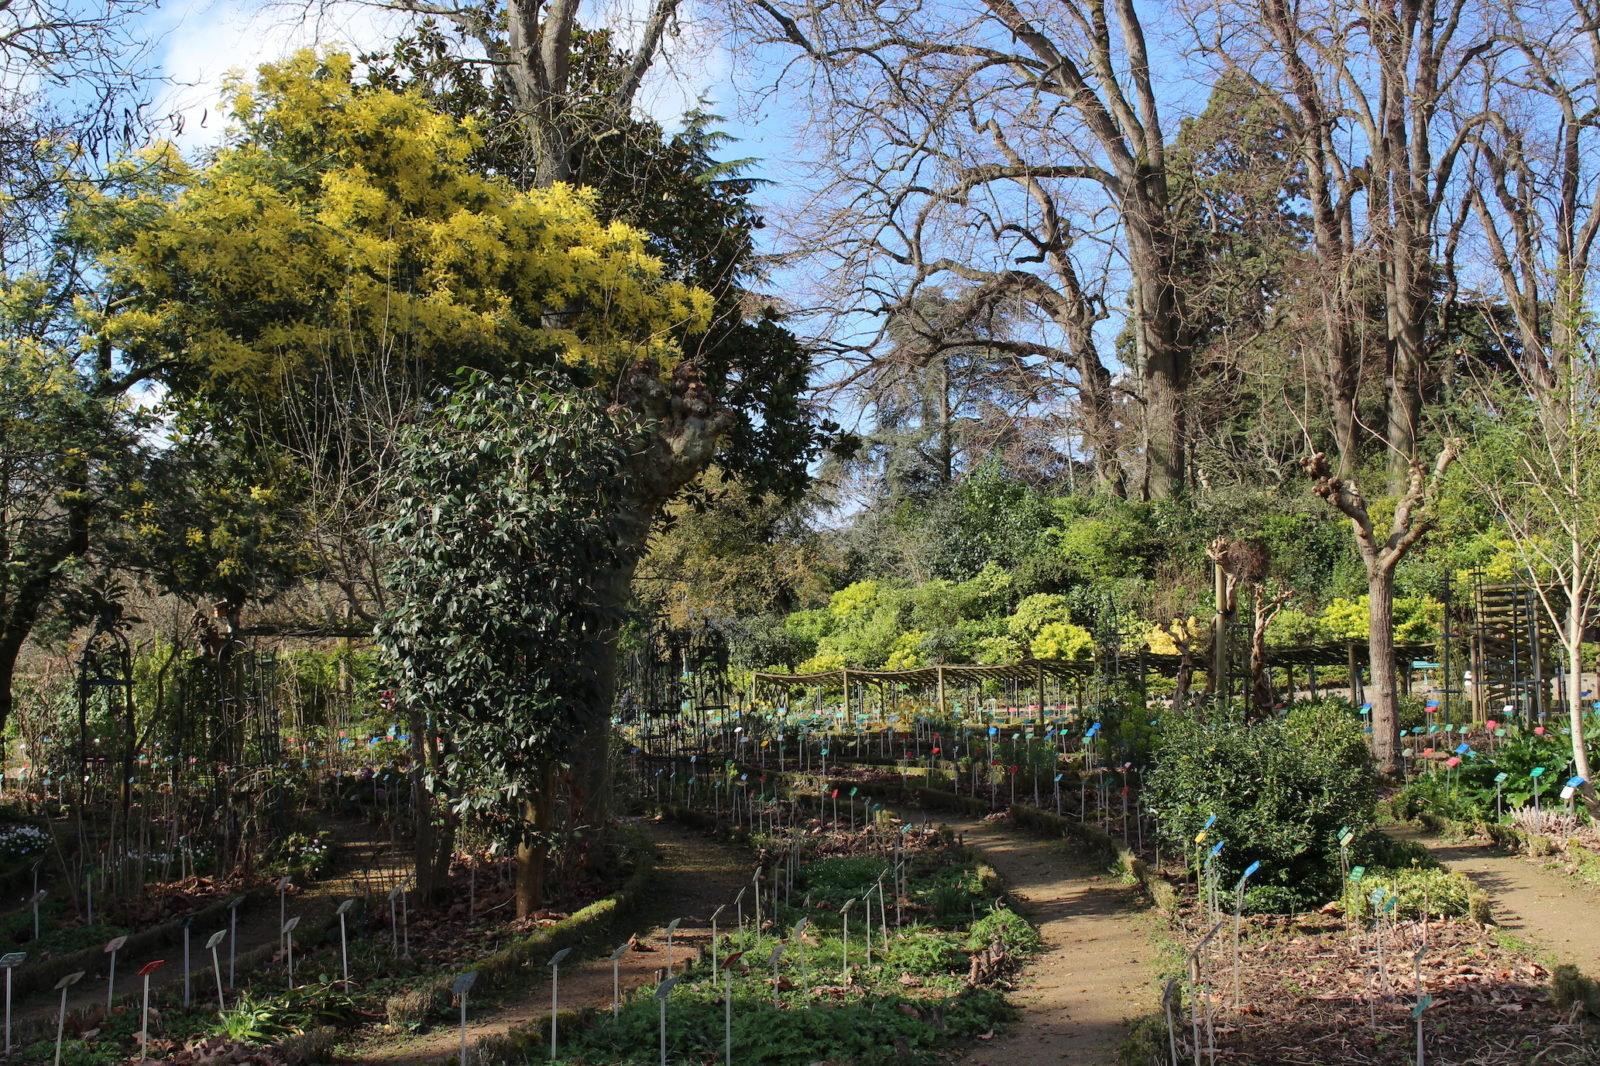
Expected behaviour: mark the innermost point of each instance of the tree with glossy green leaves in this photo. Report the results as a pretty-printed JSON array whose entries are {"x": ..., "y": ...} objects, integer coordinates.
[{"x": 504, "y": 498}]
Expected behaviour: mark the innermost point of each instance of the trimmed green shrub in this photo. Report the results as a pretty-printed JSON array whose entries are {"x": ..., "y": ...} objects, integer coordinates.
[
  {"x": 1280, "y": 789},
  {"x": 1445, "y": 894}
]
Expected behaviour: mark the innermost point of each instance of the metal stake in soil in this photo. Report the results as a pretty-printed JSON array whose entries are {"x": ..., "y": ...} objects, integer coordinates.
[
  {"x": 233, "y": 935},
  {"x": 344, "y": 952},
  {"x": 36, "y": 899},
  {"x": 187, "y": 922},
  {"x": 462, "y": 986},
  {"x": 8, "y": 963},
  {"x": 555, "y": 994},
  {"x": 113, "y": 946},
  {"x": 288, "y": 939},
  {"x": 616, "y": 979},
  {"x": 216, "y": 964},
  {"x": 727, "y": 1007},
  {"x": 777, "y": 979},
  {"x": 672, "y": 928},
  {"x": 144, "y": 1011},
  {"x": 1238, "y": 909},
  {"x": 61, "y": 1017},
  {"x": 663, "y": 990}
]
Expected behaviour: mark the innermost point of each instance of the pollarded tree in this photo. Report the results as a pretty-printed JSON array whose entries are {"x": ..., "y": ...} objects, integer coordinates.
[{"x": 502, "y": 522}]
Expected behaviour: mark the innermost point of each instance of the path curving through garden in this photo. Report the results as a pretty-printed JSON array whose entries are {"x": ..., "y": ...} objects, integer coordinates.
[
  {"x": 1532, "y": 903},
  {"x": 1097, "y": 967},
  {"x": 696, "y": 874}
]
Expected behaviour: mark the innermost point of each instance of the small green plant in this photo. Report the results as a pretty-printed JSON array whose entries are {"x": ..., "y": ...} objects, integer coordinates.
[
  {"x": 1575, "y": 992},
  {"x": 1009, "y": 927},
  {"x": 1444, "y": 894}
]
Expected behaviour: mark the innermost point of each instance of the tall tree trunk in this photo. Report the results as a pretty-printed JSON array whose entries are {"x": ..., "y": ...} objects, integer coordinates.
[
  {"x": 533, "y": 853},
  {"x": 1381, "y": 688},
  {"x": 433, "y": 835}
]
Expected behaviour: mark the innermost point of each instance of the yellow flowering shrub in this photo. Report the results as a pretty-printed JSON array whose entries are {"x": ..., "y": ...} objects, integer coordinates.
[{"x": 345, "y": 224}]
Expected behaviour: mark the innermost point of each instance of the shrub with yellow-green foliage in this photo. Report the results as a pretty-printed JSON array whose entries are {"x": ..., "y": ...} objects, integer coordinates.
[{"x": 345, "y": 225}]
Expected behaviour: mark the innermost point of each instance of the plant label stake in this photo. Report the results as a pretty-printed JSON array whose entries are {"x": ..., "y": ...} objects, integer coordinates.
[
  {"x": 61, "y": 1016},
  {"x": 777, "y": 979},
  {"x": 714, "y": 915},
  {"x": 1166, "y": 1010},
  {"x": 845, "y": 912},
  {"x": 663, "y": 990},
  {"x": 1238, "y": 910},
  {"x": 1195, "y": 978},
  {"x": 1499, "y": 783},
  {"x": 727, "y": 1006},
  {"x": 344, "y": 953},
  {"x": 796, "y": 935},
  {"x": 233, "y": 936},
  {"x": 9, "y": 962},
  {"x": 38, "y": 898},
  {"x": 216, "y": 964},
  {"x": 555, "y": 994},
  {"x": 462, "y": 986},
  {"x": 616, "y": 979},
  {"x": 113, "y": 946},
  {"x": 405, "y": 919},
  {"x": 755, "y": 882},
  {"x": 1416, "y": 1012},
  {"x": 394, "y": 920},
  {"x": 288, "y": 939},
  {"x": 738, "y": 903},
  {"x": 186, "y": 923},
  {"x": 144, "y": 1011},
  {"x": 283, "y": 886},
  {"x": 672, "y": 928}
]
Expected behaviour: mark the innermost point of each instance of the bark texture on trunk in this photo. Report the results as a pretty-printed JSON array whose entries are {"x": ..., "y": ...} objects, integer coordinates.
[{"x": 1381, "y": 689}]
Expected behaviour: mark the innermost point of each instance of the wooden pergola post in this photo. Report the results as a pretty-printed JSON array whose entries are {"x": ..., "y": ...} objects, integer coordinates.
[
  {"x": 940, "y": 675},
  {"x": 1041, "y": 694}
]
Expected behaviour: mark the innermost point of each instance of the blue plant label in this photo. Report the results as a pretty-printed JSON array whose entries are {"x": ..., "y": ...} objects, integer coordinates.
[
  {"x": 1058, "y": 777},
  {"x": 1578, "y": 781},
  {"x": 1462, "y": 749},
  {"x": 1210, "y": 822},
  {"x": 994, "y": 731},
  {"x": 1252, "y": 868},
  {"x": 1537, "y": 771},
  {"x": 1092, "y": 731},
  {"x": 1217, "y": 850},
  {"x": 1500, "y": 778},
  {"x": 1366, "y": 708}
]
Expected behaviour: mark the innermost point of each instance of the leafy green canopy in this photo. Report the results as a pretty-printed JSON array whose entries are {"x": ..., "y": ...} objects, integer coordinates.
[
  {"x": 1280, "y": 789},
  {"x": 502, "y": 526}
]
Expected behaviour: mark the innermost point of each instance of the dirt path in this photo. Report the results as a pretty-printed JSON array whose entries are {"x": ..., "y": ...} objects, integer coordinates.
[
  {"x": 698, "y": 874},
  {"x": 1546, "y": 909},
  {"x": 1096, "y": 967}
]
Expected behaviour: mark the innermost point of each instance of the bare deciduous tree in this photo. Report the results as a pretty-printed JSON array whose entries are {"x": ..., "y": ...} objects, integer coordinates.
[{"x": 1018, "y": 146}]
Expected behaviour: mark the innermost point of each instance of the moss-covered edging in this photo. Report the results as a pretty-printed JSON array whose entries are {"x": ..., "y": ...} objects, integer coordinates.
[{"x": 498, "y": 970}]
